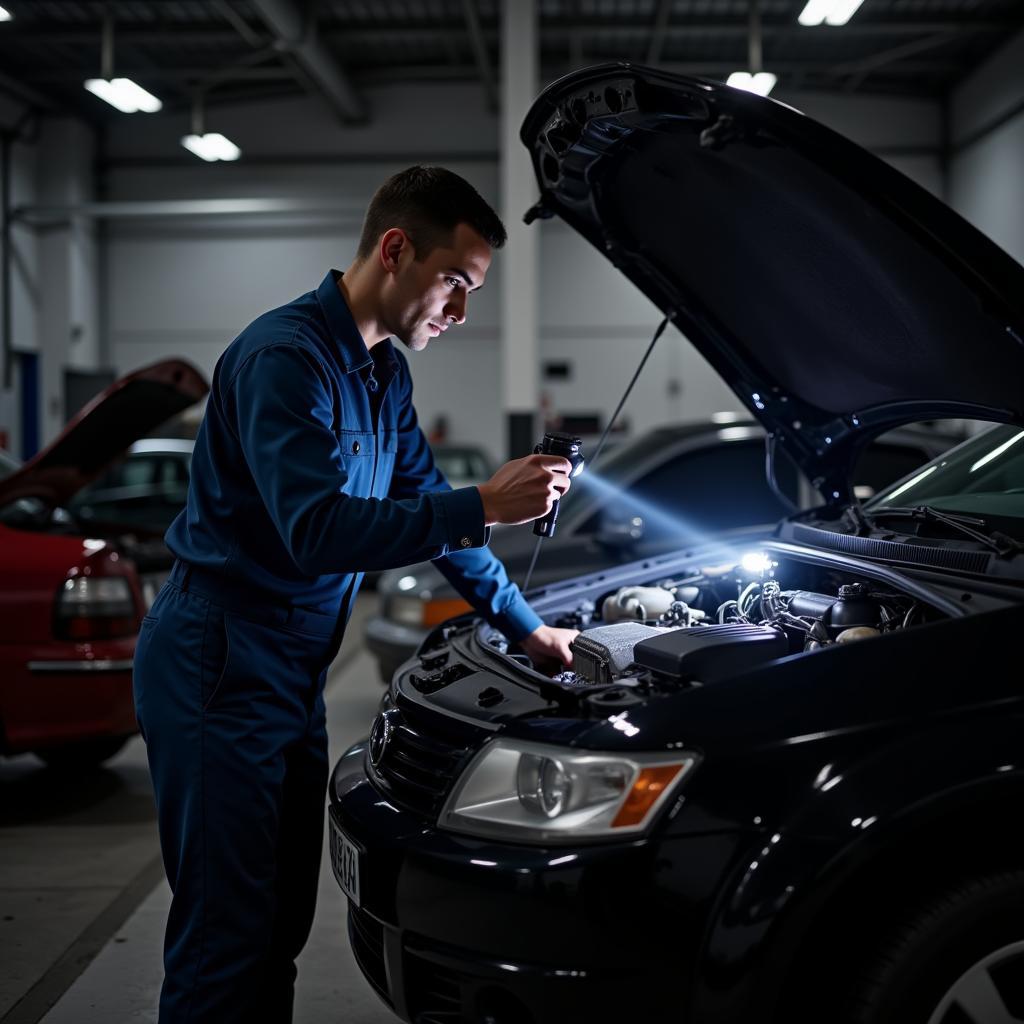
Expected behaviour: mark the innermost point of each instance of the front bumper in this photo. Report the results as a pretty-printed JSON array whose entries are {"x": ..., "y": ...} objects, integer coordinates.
[
  {"x": 391, "y": 643},
  {"x": 454, "y": 928}
]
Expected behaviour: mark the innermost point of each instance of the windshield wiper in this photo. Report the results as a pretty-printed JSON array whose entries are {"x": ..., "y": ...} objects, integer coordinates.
[{"x": 970, "y": 526}]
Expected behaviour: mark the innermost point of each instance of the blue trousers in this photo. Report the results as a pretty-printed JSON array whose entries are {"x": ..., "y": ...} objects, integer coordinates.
[{"x": 229, "y": 697}]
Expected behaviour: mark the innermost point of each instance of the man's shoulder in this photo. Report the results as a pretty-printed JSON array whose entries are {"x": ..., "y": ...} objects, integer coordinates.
[{"x": 295, "y": 324}]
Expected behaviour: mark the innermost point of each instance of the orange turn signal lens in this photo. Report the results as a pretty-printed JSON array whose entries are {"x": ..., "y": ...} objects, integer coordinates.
[
  {"x": 649, "y": 785},
  {"x": 435, "y": 612}
]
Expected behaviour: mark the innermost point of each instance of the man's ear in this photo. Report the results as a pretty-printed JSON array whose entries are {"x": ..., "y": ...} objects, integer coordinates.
[{"x": 394, "y": 243}]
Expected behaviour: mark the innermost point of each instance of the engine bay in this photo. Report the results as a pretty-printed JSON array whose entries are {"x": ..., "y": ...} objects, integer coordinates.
[{"x": 720, "y": 622}]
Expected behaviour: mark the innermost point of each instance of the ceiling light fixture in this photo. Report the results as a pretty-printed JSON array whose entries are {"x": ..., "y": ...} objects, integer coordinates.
[
  {"x": 209, "y": 146},
  {"x": 124, "y": 94},
  {"x": 5, "y": 15},
  {"x": 129, "y": 97},
  {"x": 755, "y": 80},
  {"x": 828, "y": 12},
  {"x": 760, "y": 82}
]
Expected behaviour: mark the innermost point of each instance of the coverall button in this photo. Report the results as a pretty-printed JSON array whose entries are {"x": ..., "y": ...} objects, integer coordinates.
[
  {"x": 466, "y": 542},
  {"x": 355, "y": 447}
]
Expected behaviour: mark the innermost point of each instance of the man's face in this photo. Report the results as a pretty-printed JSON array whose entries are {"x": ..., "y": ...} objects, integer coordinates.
[{"x": 427, "y": 296}]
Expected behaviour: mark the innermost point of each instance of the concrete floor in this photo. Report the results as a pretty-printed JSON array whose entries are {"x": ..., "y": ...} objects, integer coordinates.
[{"x": 83, "y": 898}]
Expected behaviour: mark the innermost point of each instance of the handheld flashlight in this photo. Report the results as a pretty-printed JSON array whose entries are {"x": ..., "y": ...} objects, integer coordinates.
[{"x": 568, "y": 447}]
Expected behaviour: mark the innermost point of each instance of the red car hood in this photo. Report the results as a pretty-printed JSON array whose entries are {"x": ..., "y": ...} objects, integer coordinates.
[{"x": 104, "y": 429}]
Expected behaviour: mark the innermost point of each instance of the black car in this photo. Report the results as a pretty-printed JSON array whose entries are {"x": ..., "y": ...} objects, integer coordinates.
[
  {"x": 780, "y": 783},
  {"x": 670, "y": 485}
]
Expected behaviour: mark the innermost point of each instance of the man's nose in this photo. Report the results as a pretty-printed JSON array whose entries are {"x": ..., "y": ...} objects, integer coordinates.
[{"x": 455, "y": 310}]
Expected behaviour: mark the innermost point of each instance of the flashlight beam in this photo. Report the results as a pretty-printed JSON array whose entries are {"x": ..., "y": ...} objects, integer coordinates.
[{"x": 607, "y": 430}]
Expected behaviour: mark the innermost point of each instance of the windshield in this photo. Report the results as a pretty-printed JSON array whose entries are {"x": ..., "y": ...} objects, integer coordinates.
[{"x": 982, "y": 477}]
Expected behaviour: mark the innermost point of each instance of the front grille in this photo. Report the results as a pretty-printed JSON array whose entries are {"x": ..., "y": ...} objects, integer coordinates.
[
  {"x": 434, "y": 992},
  {"x": 366, "y": 936},
  {"x": 421, "y": 759}
]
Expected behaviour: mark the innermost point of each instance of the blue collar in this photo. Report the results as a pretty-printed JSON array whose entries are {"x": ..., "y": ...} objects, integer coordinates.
[{"x": 351, "y": 347}]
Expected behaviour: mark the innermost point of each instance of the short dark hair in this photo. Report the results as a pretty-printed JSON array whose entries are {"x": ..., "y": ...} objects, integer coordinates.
[{"x": 428, "y": 203}]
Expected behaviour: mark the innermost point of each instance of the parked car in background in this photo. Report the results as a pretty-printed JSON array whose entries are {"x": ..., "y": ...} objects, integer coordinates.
[
  {"x": 144, "y": 491},
  {"x": 73, "y": 590},
  {"x": 780, "y": 781},
  {"x": 669, "y": 486}
]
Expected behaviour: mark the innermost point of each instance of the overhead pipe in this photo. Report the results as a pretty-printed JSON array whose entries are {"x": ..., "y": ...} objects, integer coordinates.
[{"x": 287, "y": 23}]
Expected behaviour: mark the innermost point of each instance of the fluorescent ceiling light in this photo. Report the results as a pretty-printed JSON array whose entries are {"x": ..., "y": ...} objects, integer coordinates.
[
  {"x": 124, "y": 94},
  {"x": 831, "y": 12},
  {"x": 211, "y": 146},
  {"x": 5, "y": 15},
  {"x": 761, "y": 82}
]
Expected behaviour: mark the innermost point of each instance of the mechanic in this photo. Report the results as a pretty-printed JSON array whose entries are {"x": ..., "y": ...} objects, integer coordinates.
[{"x": 309, "y": 469}]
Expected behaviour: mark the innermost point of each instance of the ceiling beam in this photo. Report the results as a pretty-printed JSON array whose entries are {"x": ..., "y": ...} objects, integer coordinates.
[
  {"x": 239, "y": 24},
  {"x": 297, "y": 39},
  {"x": 553, "y": 31},
  {"x": 892, "y": 55},
  {"x": 858, "y": 70},
  {"x": 190, "y": 74},
  {"x": 17, "y": 88},
  {"x": 658, "y": 31},
  {"x": 480, "y": 53}
]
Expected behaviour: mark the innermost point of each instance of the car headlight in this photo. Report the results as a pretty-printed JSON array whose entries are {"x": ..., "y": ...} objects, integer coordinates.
[{"x": 532, "y": 792}]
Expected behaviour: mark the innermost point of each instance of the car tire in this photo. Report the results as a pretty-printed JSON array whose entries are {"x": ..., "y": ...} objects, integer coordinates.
[
  {"x": 84, "y": 754},
  {"x": 956, "y": 958}
]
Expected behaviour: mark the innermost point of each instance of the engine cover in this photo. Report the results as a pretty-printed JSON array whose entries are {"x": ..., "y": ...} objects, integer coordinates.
[
  {"x": 710, "y": 653},
  {"x": 601, "y": 654}
]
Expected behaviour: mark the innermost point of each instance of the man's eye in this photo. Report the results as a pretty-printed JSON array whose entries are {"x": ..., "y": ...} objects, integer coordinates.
[{"x": 454, "y": 282}]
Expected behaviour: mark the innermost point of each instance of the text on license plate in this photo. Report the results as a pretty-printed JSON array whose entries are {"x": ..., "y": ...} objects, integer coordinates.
[{"x": 345, "y": 862}]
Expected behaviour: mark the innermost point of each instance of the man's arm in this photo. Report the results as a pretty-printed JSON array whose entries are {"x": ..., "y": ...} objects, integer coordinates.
[
  {"x": 281, "y": 404},
  {"x": 475, "y": 573}
]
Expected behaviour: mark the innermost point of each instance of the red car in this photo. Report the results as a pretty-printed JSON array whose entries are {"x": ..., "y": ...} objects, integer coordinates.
[{"x": 71, "y": 600}]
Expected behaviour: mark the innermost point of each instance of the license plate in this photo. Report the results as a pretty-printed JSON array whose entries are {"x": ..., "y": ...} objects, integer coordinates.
[{"x": 345, "y": 862}]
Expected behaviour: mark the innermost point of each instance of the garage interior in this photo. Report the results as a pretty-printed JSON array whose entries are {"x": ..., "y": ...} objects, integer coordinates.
[{"x": 121, "y": 247}]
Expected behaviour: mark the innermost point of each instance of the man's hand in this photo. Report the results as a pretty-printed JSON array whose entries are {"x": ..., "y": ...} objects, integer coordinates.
[
  {"x": 524, "y": 489},
  {"x": 548, "y": 647}
]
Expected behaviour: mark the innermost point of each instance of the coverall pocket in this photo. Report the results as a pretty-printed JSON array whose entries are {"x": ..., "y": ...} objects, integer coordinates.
[{"x": 214, "y": 657}]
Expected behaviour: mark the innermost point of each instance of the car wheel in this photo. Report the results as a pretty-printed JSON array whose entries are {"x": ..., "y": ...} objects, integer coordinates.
[
  {"x": 957, "y": 959},
  {"x": 84, "y": 754}
]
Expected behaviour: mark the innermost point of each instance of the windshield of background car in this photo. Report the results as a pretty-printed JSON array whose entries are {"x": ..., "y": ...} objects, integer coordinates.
[
  {"x": 462, "y": 463},
  {"x": 984, "y": 476}
]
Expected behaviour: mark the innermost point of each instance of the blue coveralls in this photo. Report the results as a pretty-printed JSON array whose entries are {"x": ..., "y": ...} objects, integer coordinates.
[{"x": 309, "y": 468}]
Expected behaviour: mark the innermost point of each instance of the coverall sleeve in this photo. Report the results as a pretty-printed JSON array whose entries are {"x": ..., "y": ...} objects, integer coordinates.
[
  {"x": 475, "y": 573},
  {"x": 284, "y": 413}
]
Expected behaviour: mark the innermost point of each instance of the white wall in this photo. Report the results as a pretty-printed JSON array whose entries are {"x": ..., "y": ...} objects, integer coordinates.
[
  {"x": 188, "y": 288},
  {"x": 55, "y": 279},
  {"x": 68, "y": 265},
  {"x": 987, "y": 173}
]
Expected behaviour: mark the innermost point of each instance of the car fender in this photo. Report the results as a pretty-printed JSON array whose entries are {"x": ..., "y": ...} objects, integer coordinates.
[{"x": 947, "y": 784}]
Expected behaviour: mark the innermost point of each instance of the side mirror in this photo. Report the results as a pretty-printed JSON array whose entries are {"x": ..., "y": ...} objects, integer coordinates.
[{"x": 619, "y": 529}]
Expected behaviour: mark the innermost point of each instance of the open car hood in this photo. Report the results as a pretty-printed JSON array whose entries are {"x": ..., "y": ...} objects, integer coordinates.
[
  {"x": 104, "y": 429},
  {"x": 836, "y": 297}
]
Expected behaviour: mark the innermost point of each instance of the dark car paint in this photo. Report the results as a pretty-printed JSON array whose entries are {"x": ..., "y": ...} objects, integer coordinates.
[
  {"x": 834, "y": 788},
  {"x": 700, "y": 193},
  {"x": 748, "y": 854}
]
